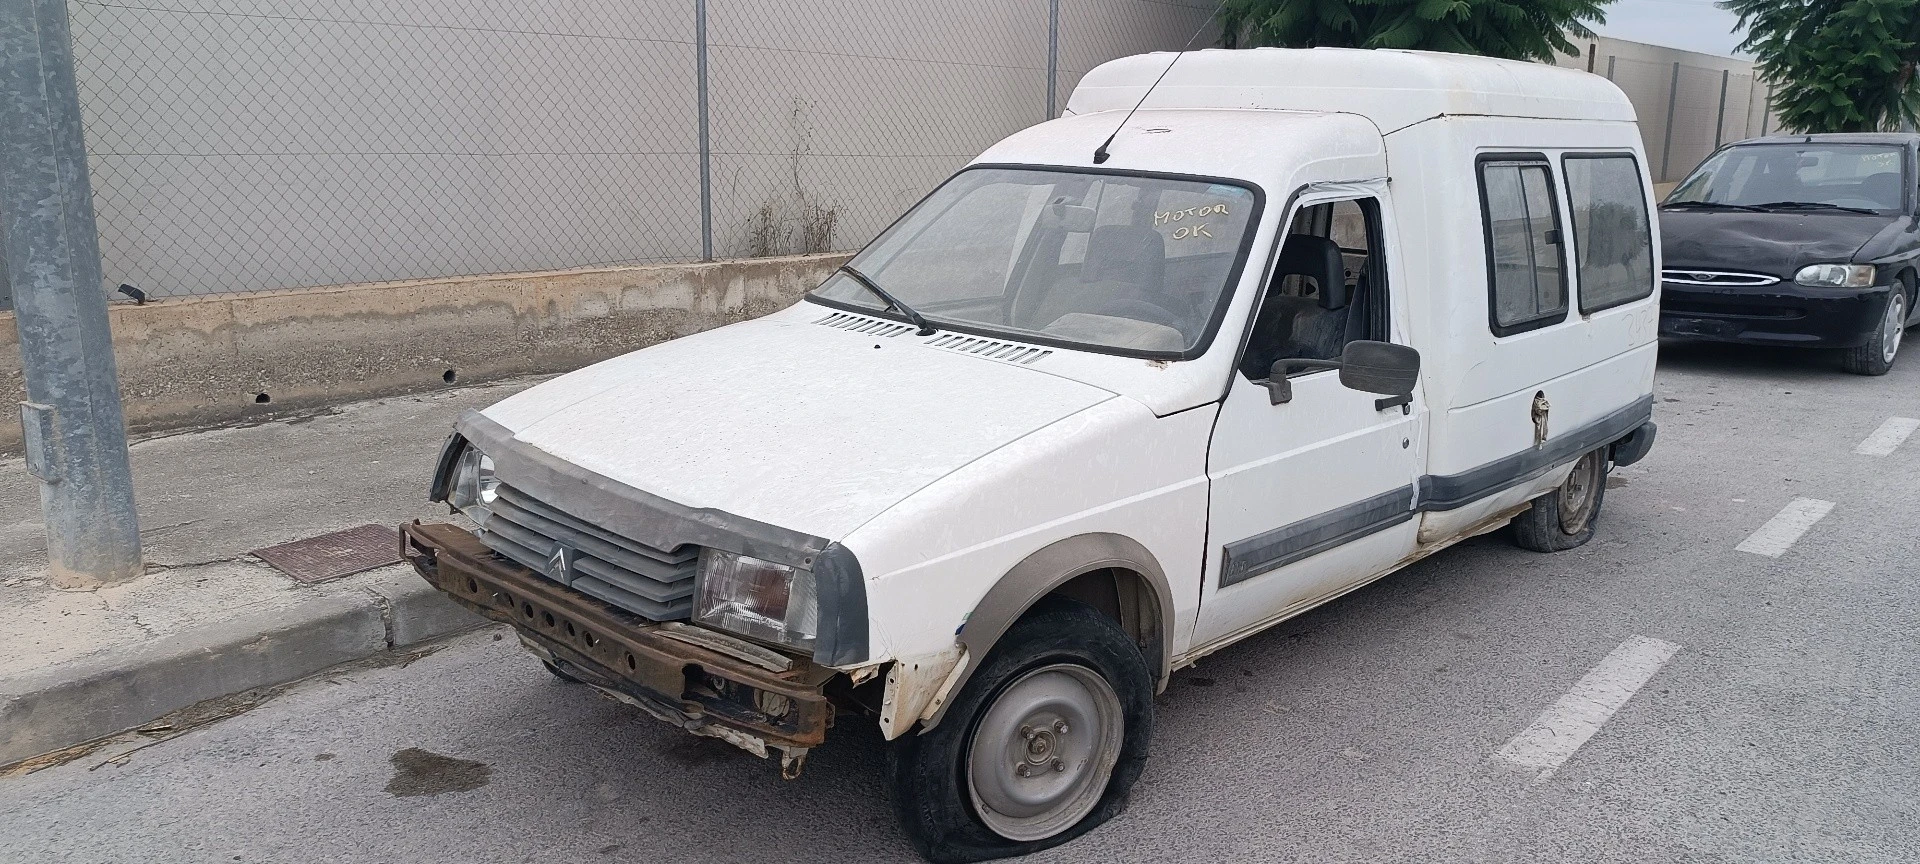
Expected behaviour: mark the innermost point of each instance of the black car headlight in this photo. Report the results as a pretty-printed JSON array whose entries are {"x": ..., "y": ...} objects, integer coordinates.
[
  {"x": 755, "y": 598},
  {"x": 1836, "y": 276}
]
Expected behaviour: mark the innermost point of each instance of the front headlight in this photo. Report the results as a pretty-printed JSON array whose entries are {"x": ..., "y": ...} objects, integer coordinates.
[
  {"x": 1836, "y": 276},
  {"x": 474, "y": 485},
  {"x": 760, "y": 599}
]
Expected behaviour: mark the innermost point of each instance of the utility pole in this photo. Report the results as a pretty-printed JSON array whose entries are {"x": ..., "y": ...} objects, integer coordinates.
[{"x": 76, "y": 439}]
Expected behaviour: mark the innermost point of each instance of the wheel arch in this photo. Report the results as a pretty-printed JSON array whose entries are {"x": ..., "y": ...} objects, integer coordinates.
[{"x": 1112, "y": 573}]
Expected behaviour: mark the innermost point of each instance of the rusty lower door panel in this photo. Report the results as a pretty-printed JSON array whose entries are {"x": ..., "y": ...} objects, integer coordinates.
[{"x": 701, "y": 690}]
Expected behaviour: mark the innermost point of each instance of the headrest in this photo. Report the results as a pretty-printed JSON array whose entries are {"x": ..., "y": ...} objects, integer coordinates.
[{"x": 1319, "y": 259}]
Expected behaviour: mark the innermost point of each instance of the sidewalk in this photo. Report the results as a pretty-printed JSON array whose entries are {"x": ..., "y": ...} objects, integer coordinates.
[{"x": 207, "y": 619}]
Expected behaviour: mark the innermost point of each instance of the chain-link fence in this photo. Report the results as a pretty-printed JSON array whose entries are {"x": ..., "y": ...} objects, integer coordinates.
[{"x": 245, "y": 145}]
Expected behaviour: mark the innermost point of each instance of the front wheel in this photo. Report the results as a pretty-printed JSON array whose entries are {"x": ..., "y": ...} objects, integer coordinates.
[
  {"x": 1563, "y": 518},
  {"x": 1876, "y": 357},
  {"x": 1039, "y": 747}
]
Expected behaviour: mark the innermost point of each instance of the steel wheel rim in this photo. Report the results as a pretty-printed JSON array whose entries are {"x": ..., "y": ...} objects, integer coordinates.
[
  {"x": 1895, "y": 326},
  {"x": 1062, "y": 726},
  {"x": 1577, "y": 493}
]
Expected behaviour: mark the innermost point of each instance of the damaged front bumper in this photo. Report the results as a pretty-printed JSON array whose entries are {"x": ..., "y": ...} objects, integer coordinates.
[{"x": 693, "y": 678}]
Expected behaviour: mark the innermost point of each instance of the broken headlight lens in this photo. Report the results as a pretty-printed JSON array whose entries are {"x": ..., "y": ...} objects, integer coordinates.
[
  {"x": 474, "y": 485},
  {"x": 1836, "y": 276},
  {"x": 759, "y": 599}
]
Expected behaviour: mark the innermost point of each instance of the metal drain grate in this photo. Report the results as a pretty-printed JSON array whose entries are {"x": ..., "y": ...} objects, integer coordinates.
[{"x": 331, "y": 556}]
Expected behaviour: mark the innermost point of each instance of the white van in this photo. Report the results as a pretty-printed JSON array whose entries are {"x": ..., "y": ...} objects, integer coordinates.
[{"x": 1091, "y": 410}]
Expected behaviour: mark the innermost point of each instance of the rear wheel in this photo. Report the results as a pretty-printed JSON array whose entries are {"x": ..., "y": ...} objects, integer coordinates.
[
  {"x": 1876, "y": 357},
  {"x": 1039, "y": 747},
  {"x": 1563, "y": 518}
]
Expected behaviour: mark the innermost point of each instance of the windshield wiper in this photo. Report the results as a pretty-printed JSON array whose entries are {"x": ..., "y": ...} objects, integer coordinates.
[
  {"x": 1816, "y": 205},
  {"x": 1711, "y": 205},
  {"x": 917, "y": 318}
]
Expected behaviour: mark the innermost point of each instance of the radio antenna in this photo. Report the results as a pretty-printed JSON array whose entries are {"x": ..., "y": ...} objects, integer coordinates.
[{"x": 1100, "y": 154}]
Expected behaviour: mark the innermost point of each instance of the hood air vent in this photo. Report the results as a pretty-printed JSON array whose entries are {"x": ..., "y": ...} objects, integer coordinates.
[
  {"x": 989, "y": 348},
  {"x": 862, "y": 324}
]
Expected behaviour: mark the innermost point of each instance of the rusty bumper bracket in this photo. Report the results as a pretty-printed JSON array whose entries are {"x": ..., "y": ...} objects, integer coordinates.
[{"x": 700, "y": 690}]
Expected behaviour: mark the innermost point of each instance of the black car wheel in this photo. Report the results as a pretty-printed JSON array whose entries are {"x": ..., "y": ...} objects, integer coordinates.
[
  {"x": 1039, "y": 747},
  {"x": 1563, "y": 518},
  {"x": 1876, "y": 357}
]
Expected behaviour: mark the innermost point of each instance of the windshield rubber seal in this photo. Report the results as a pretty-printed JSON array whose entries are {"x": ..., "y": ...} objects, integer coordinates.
[{"x": 1195, "y": 351}]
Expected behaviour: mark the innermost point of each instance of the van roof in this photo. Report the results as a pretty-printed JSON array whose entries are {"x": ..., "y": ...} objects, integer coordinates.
[{"x": 1394, "y": 89}]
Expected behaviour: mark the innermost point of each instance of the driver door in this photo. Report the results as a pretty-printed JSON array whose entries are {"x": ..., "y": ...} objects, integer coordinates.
[{"x": 1315, "y": 496}]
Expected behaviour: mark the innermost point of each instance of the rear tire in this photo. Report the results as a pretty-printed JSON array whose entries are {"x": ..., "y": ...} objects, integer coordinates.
[
  {"x": 1039, "y": 747},
  {"x": 1877, "y": 356},
  {"x": 1564, "y": 518}
]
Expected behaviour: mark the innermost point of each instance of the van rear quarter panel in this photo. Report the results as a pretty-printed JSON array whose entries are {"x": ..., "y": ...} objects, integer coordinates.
[{"x": 1482, "y": 387}]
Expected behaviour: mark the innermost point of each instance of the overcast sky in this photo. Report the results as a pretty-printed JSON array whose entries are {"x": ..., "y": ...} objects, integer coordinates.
[{"x": 1694, "y": 25}]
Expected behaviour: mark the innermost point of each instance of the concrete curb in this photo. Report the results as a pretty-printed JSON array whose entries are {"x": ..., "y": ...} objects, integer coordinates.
[{"x": 109, "y": 693}]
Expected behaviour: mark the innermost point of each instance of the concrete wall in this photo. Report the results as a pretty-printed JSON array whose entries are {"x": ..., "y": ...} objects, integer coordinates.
[
  {"x": 201, "y": 360},
  {"x": 1701, "y": 118}
]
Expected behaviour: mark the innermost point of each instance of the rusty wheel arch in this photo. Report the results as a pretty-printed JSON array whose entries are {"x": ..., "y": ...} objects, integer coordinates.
[{"x": 1110, "y": 572}]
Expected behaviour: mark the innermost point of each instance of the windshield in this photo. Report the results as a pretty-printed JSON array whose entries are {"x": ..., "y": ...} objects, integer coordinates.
[
  {"x": 1121, "y": 263},
  {"x": 1859, "y": 176}
]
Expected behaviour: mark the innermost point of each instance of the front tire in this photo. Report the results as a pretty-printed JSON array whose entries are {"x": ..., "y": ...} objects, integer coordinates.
[
  {"x": 1877, "y": 356},
  {"x": 1039, "y": 747},
  {"x": 1563, "y": 518}
]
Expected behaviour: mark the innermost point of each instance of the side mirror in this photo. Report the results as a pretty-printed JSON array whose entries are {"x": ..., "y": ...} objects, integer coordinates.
[
  {"x": 1370, "y": 367},
  {"x": 1380, "y": 367}
]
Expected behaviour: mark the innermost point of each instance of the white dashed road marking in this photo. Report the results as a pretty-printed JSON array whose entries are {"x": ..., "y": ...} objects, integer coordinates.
[
  {"x": 1563, "y": 728},
  {"x": 1784, "y": 529},
  {"x": 1889, "y": 436}
]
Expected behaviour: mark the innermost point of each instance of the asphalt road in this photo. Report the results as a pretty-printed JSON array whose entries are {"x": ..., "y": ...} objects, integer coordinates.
[{"x": 1781, "y": 729}]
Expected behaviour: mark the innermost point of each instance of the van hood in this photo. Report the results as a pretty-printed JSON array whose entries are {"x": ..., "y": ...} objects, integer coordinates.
[
  {"x": 1777, "y": 244},
  {"x": 805, "y": 427}
]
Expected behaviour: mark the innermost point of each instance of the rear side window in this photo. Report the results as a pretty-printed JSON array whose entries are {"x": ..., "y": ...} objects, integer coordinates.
[
  {"x": 1526, "y": 267},
  {"x": 1612, "y": 236}
]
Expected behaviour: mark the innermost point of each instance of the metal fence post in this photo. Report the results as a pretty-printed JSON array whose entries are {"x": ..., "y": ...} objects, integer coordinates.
[
  {"x": 1666, "y": 149},
  {"x": 1720, "y": 119},
  {"x": 706, "y": 148},
  {"x": 1053, "y": 57},
  {"x": 75, "y": 436}
]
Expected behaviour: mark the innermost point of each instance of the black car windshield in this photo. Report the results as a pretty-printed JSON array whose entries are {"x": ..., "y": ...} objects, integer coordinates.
[
  {"x": 1119, "y": 263},
  {"x": 1827, "y": 176}
]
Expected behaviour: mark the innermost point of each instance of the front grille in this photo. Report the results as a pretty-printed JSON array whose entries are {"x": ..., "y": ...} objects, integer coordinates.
[
  {"x": 649, "y": 582},
  {"x": 1717, "y": 279}
]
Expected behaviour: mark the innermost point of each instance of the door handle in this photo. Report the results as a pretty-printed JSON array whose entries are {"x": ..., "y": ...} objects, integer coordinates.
[{"x": 1404, "y": 403}]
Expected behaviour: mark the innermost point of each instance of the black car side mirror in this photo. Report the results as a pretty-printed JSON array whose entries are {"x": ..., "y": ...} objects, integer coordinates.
[{"x": 1381, "y": 368}]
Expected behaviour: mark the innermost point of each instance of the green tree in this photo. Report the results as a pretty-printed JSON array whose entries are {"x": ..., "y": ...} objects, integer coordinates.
[
  {"x": 1515, "y": 29},
  {"x": 1836, "y": 65}
]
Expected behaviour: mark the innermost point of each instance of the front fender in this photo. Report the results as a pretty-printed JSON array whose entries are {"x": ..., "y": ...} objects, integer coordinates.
[{"x": 1038, "y": 575}]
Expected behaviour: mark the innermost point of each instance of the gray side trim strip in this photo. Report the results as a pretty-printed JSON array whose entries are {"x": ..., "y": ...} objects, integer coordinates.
[
  {"x": 1253, "y": 556},
  {"x": 1452, "y": 491},
  {"x": 1245, "y": 559}
]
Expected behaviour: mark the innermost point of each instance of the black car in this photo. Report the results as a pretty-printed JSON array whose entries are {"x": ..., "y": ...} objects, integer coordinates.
[{"x": 1809, "y": 240}]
